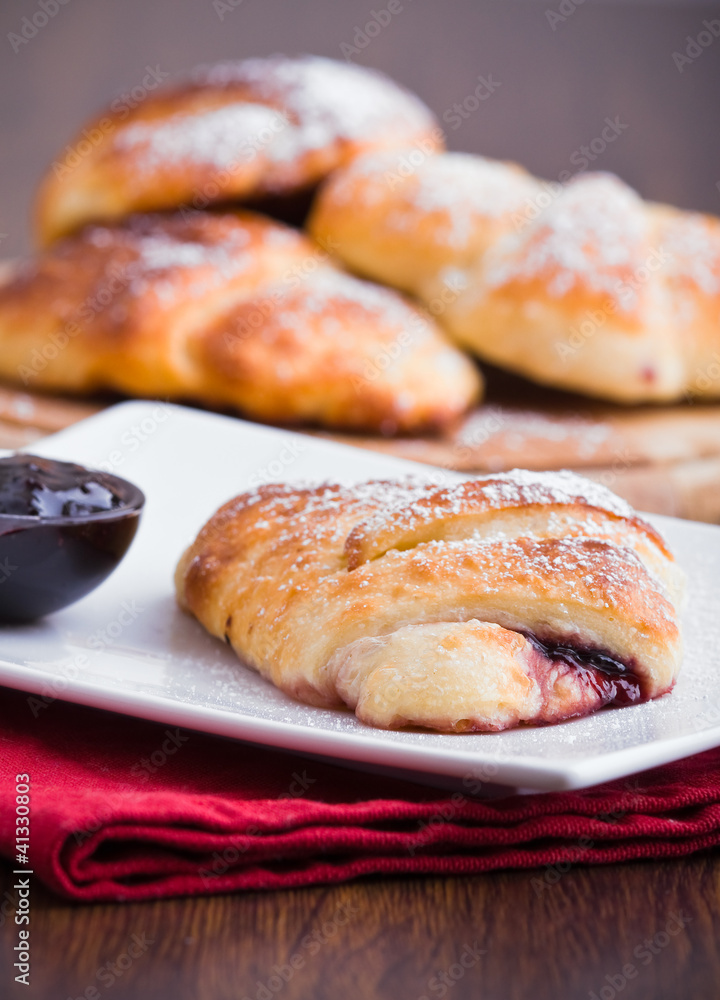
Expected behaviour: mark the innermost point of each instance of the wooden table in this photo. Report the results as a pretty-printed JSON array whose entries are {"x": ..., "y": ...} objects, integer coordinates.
[
  {"x": 405, "y": 938},
  {"x": 401, "y": 936}
]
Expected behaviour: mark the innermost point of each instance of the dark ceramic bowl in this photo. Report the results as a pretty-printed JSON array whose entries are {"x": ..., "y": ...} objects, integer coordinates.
[{"x": 47, "y": 562}]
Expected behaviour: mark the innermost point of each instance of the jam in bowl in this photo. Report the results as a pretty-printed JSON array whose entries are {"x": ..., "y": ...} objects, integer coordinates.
[{"x": 63, "y": 530}]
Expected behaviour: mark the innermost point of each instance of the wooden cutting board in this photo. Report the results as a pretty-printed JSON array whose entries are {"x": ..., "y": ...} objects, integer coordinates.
[{"x": 664, "y": 459}]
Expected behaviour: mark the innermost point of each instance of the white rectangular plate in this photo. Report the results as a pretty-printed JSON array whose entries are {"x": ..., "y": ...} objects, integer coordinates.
[{"x": 126, "y": 647}]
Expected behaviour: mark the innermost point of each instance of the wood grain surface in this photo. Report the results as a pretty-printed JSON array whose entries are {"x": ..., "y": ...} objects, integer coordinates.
[
  {"x": 491, "y": 937},
  {"x": 664, "y": 459}
]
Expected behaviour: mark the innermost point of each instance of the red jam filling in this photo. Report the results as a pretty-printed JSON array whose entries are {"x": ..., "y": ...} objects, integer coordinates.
[{"x": 614, "y": 681}]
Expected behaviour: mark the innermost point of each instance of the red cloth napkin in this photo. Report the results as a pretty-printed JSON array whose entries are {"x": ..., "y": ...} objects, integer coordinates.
[{"x": 127, "y": 809}]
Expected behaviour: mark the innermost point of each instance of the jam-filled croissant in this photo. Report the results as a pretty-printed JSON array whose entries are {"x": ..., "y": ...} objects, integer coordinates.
[{"x": 517, "y": 598}]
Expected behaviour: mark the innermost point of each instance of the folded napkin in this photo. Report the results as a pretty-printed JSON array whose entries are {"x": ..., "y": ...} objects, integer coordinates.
[{"x": 124, "y": 809}]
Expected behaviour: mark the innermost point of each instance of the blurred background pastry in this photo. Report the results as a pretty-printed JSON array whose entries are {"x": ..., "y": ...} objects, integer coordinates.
[
  {"x": 580, "y": 286},
  {"x": 230, "y": 310},
  {"x": 260, "y": 130}
]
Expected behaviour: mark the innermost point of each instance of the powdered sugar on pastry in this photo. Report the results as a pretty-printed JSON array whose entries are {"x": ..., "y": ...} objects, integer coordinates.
[
  {"x": 591, "y": 234},
  {"x": 222, "y": 138},
  {"x": 691, "y": 251},
  {"x": 236, "y": 131},
  {"x": 232, "y": 310},
  {"x": 326, "y": 97},
  {"x": 582, "y": 286},
  {"x": 460, "y": 187},
  {"x": 532, "y": 598}
]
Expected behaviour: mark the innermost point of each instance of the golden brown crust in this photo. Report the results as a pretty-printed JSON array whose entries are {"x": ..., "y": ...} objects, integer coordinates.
[
  {"x": 110, "y": 307},
  {"x": 581, "y": 286},
  {"x": 404, "y": 224},
  {"x": 571, "y": 301},
  {"x": 470, "y": 510},
  {"x": 229, "y": 310},
  {"x": 339, "y": 351},
  {"x": 290, "y": 576},
  {"x": 238, "y": 130}
]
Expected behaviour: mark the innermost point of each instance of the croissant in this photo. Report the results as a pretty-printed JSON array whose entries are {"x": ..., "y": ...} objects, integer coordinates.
[
  {"x": 229, "y": 310},
  {"x": 238, "y": 130},
  {"x": 581, "y": 286},
  {"x": 517, "y": 598}
]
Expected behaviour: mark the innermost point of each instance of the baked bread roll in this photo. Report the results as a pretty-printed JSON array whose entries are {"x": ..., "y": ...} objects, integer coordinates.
[
  {"x": 581, "y": 286},
  {"x": 237, "y": 130},
  {"x": 405, "y": 227},
  {"x": 229, "y": 310},
  {"x": 520, "y": 597}
]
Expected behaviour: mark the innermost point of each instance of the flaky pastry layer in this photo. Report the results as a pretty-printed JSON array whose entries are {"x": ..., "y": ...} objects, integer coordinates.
[{"x": 520, "y": 597}]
